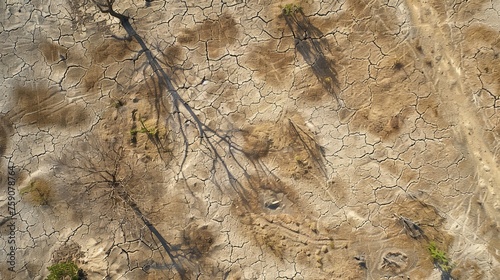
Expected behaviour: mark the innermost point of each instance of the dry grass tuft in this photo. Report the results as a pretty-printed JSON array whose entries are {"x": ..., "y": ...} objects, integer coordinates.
[{"x": 38, "y": 192}]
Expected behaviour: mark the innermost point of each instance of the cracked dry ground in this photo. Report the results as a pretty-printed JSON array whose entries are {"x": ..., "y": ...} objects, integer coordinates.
[{"x": 228, "y": 140}]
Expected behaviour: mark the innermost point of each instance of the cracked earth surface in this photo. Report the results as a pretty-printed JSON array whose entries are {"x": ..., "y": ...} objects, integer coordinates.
[{"x": 231, "y": 140}]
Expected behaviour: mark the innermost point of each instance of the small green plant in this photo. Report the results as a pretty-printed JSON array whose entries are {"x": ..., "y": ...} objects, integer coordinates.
[
  {"x": 62, "y": 271},
  {"x": 439, "y": 257},
  {"x": 149, "y": 131},
  {"x": 290, "y": 9},
  {"x": 144, "y": 129}
]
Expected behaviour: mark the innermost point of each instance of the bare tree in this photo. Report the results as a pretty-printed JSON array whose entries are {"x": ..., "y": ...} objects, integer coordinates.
[{"x": 104, "y": 170}]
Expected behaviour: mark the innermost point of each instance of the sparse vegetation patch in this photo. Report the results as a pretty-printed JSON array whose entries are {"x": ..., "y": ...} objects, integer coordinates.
[
  {"x": 65, "y": 270},
  {"x": 290, "y": 9},
  {"x": 439, "y": 257}
]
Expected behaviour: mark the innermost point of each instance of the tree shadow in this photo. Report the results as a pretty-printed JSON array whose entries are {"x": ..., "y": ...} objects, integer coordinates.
[
  {"x": 106, "y": 172},
  {"x": 311, "y": 44},
  {"x": 241, "y": 173}
]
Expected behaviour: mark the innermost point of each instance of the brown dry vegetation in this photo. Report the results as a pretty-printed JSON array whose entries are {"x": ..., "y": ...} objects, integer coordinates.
[{"x": 38, "y": 192}]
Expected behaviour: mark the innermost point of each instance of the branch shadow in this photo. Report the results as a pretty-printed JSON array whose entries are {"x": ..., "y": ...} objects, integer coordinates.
[
  {"x": 311, "y": 44},
  {"x": 227, "y": 156}
]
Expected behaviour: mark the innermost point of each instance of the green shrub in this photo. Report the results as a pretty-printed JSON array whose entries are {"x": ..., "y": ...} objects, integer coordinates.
[
  {"x": 289, "y": 9},
  {"x": 60, "y": 271},
  {"x": 439, "y": 257}
]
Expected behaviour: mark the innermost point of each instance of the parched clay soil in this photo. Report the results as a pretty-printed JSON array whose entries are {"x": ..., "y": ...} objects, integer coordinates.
[{"x": 250, "y": 139}]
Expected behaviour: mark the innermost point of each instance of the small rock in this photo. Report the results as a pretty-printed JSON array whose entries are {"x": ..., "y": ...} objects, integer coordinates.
[{"x": 324, "y": 249}]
